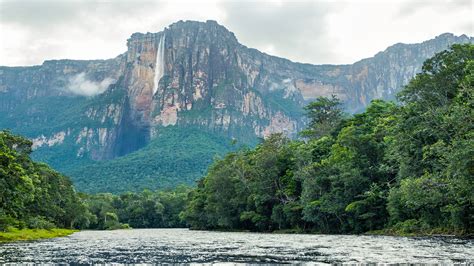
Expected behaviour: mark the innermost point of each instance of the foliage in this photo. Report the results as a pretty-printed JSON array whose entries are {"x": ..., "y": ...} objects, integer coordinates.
[
  {"x": 176, "y": 156},
  {"x": 147, "y": 209},
  {"x": 324, "y": 114},
  {"x": 408, "y": 167},
  {"x": 434, "y": 146},
  {"x": 32, "y": 194},
  {"x": 248, "y": 189}
]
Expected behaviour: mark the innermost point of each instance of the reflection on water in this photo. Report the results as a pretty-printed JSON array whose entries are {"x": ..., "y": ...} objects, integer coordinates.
[{"x": 182, "y": 245}]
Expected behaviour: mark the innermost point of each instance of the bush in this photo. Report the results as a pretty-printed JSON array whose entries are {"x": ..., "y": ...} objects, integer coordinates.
[
  {"x": 410, "y": 226},
  {"x": 125, "y": 226},
  {"x": 40, "y": 222},
  {"x": 117, "y": 225},
  {"x": 7, "y": 222}
]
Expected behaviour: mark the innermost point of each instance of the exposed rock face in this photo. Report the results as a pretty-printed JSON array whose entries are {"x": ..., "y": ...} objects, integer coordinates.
[
  {"x": 56, "y": 139},
  {"x": 206, "y": 79},
  {"x": 211, "y": 80}
]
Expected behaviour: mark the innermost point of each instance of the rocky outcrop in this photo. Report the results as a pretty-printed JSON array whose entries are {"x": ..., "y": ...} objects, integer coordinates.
[
  {"x": 56, "y": 139},
  {"x": 190, "y": 74}
]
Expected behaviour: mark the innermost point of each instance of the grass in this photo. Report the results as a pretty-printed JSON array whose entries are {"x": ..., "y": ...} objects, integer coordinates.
[{"x": 33, "y": 234}]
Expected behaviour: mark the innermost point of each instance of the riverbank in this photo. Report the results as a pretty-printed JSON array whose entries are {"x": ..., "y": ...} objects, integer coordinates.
[
  {"x": 421, "y": 233},
  {"x": 434, "y": 232},
  {"x": 33, "y": 234}
]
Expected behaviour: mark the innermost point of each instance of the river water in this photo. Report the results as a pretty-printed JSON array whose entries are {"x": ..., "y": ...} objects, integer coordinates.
[{"x": 185, "y": 246}]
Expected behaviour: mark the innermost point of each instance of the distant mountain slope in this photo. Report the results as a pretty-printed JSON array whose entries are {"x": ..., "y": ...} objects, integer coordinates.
[
  {"x": 176, "y": 156},
  {"x": 190, "y": 75}
]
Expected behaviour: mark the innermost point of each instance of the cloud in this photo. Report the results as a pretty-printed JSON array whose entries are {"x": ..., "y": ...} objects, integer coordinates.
[
  {"x": 34, "y": 31},
  {"x": 80, "y": 85},
  {"x": 363, "y": 28},
  {"x": 296, "y": 30},
  {"x": 37, "y": 14},
  {"x": 312, "y": 31},
  {"x": 412, "y": 7}
]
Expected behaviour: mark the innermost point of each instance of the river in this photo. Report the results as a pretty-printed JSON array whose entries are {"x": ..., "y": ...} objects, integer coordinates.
[{"x": 186, "y": 246}]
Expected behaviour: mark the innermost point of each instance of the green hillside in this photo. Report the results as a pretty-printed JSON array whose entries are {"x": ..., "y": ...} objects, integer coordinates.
[{"x": 176, "y": 156}]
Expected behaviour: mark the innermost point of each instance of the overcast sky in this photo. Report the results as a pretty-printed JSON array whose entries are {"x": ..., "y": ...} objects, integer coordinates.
[{"x": 318, "y": 32}]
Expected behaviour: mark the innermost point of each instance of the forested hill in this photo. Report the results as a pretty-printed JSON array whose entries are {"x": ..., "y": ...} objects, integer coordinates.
[{"x": 32, "y": 194}]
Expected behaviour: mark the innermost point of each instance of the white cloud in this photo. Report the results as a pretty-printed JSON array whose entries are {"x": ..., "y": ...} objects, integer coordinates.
[
  {"x": 363, "y": 28},
  {"x": 317, "y": 31},
  {"x": 80, "y": 85},
  {"x": 295, "y": 30}
]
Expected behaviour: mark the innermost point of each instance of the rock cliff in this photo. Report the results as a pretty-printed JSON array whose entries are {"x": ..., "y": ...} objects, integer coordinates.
[{"x": 191, "y": 74}]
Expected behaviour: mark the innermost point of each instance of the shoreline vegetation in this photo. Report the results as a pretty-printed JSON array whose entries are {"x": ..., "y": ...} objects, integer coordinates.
[
  {"x": 401, "y": 169},
  {"x": 14, "y": 234},
  {"x": 436, "y": 232}
]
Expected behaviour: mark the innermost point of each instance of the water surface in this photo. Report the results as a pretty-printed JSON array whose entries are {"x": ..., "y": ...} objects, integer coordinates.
[{"x": 182, "y": 245}]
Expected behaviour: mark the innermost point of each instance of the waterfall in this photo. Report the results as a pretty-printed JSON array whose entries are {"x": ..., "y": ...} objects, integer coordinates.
[{"x": 160, "y": 63}]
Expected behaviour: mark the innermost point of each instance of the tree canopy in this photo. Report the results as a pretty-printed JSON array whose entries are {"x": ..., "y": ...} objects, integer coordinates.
[{"x": 407, "y": 167}]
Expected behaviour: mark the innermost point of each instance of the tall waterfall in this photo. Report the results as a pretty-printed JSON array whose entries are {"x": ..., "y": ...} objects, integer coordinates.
[{"x": 160, "y": 63}]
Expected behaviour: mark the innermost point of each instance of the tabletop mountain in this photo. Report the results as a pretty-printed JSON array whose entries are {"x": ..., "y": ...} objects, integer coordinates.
[{"x": 156, "y": 115}]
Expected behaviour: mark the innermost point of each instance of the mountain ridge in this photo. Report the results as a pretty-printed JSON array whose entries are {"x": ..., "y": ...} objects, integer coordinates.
[{"x": 210, "y": 82}]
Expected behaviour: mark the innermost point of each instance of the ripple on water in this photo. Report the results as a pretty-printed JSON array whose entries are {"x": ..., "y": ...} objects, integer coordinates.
[{"x": 182, "y": 245}]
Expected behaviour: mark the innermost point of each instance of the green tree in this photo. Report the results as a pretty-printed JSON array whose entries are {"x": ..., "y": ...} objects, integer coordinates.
[
  {"x": 32, "y": 193},
  {"x": 433, "y": 144},
  {"x": 324, "y": 116}
]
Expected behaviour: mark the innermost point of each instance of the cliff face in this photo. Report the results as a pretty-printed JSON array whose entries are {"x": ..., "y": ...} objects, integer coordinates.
[
  {"x": 190, "y": 74},
  {"x": 47, "y": 104},
  {"x": 209, "y": 80}
]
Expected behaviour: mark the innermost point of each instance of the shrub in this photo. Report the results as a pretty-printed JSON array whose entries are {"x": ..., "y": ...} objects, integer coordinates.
[
  {"x": 7, "y": 222},
  {"x": 39, "y": 222}
]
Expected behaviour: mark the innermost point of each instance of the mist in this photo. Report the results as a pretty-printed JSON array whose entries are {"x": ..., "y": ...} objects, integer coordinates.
[{"x": 80, "y": 85}]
